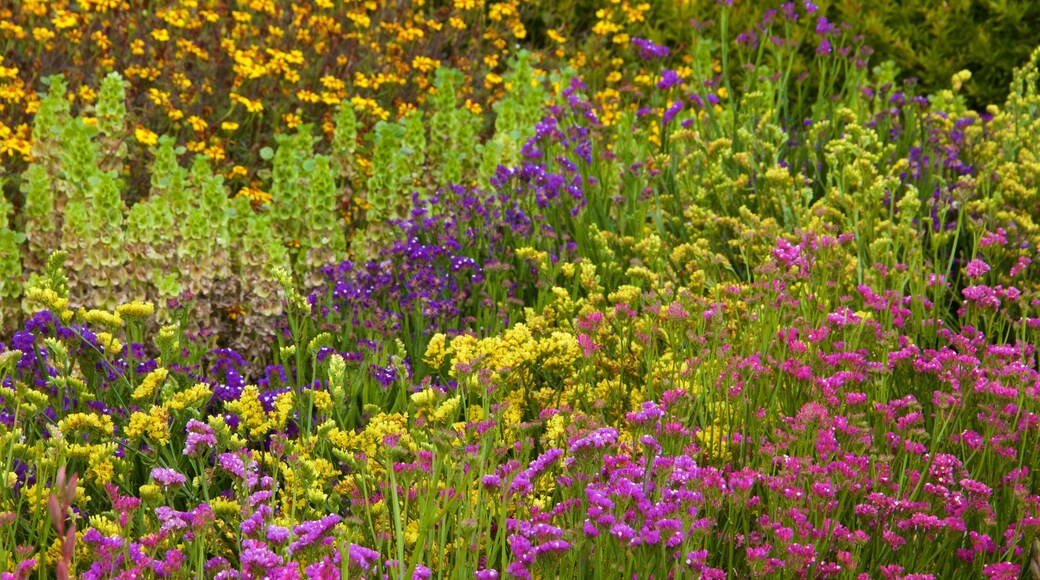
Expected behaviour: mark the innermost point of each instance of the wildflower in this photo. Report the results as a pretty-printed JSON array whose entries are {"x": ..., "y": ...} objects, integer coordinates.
[
  {"x": 199, "y": 433},
  {"x": 168, "y": 477},
  {"x": 150, "y": 384},
  {"x": 145, "y": 137},
  {"x": 669, "y": 79},
  {"x": 136, "y": 310},
  {"x": 976, "y": 269},
  {"x": 648, "y": 50}
]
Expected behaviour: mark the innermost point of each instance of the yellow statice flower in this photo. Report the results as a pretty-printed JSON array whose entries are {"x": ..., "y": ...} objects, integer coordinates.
[
  {"x": 101, "y": 318},
  {"x": 87, "y": 422},
  {"x": 110, "y": 344},
  {"x": 714, "y": 440},
  {"x": 151, "y": 383},
  {"x": 136, "y": 310},
  {"x": 154, "y": 425},
  {"x": 446, "y": 410},
  {"x": 195, "y": 396},
  {"x": 250, "y": 412}
]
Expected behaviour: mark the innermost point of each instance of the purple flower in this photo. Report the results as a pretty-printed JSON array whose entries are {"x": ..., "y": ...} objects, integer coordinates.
[
  {"x": 168, "y": 477},
  {"x": 199, "y": 433},
  {"x": 648, "y": 50},
  {"x": 310, "y": 532},
  {"x": 669, "y": 79},
  {"x": 278, "y": 534},
  {"x": 672, "y": 111},
  {"x": 361, "y": 556},
  {"x": 976, "y": 268}
]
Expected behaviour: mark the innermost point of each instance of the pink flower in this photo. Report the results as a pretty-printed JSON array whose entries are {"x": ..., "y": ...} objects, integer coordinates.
[{"x": 976, "y": 269}]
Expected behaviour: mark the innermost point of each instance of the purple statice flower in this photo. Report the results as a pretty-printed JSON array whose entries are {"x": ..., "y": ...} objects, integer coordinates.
[
  {"x": 598, "y": 439},
  {"x": 168, "y": 477},
  {"x": 672, "y": 111},
  {"x": 236, "y": 464},
  {"x": 486, "y": 574},
  {"x": 233, "y": 464},
  {"x": 648, "y": 50},
  {"x": 362, "y": 557},
  {"x": 522, "y": 482},
  {"x": 976, "y": 269},
  {"x": 1001, "y": 571},
  {"x": 649, "y": 414},
  {"x": 257, "y": 558},
  {"x": 310, "y": 532},
  {"x": 669, "y": 79},
  {"x": 421, "y": 572}
]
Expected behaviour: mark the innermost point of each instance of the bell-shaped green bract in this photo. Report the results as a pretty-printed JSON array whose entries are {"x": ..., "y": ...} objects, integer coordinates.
[
  {"x": 5, "y": 206},
  {"x": 289, "y": 175},
  {"x": 322, "y": 201},
  {"x": 518, "y": 112},
  {"x": 75, "y": 232},
  {"x": 111, "y": 105},
  {"x": 386, "y": 170},
  {"x": 39, "y": 197},
  {"x": 10, "y": 263},
  {"x": 168, "y": 178},
  {"x": 259, "y": 254},
  {"x": 198, "y": 241},
  {"x": 140, "y": 222},
  {"x": 10, "y": 252},
  {"x": 344, "y": 139},
  {"x": 51, "y": 117},
  {"x": 413, "y": 143},
  {"x": 106, "y": 208},
  {"x": 213, "y": 200},
  {"x": 325, "y": 243},
  {"x": 150, "y": 223},
  {"x": 167, "y": 284},
  {"x": 453, "y": 149},
  {"x": 79, "y": 158}
]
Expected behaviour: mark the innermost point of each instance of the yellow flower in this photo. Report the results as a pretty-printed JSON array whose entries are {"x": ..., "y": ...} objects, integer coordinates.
[
  {"x": 291, "y": 120},
  {"x": 197, "y": 124},
  {"x": 192, "y": 397},
  {"x": 145, "y": 136},
  {"x": 425, "y": 64},
  {"x": 161, "y": 35},
  {"x": 254, "y": 195},
  {"x": 136, "y": 310},
  {"x": 250, "y": 105},
  {"x": 491, "y": 80},
  {"x": 101, "y": 318},
  {"x": 43, "y": 35},
  {"x": 154, "y": 425},
  {"x": 150, "y": 384},
  {"x": 110, "y": 343},
  {"x": 435, "y": 350},
  {"x": 229, "y": 126}
]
